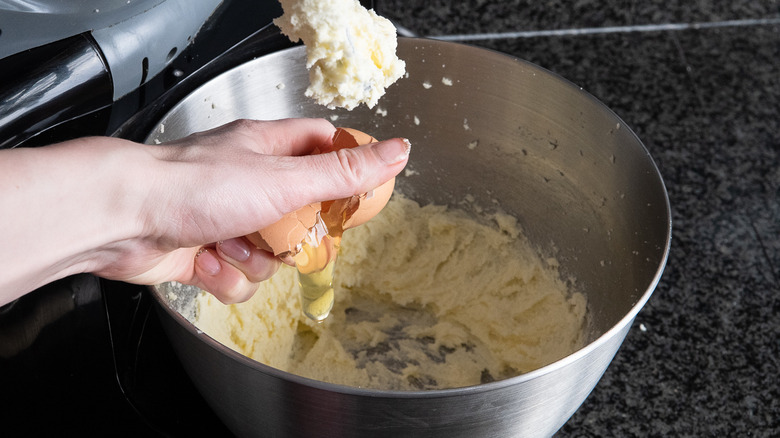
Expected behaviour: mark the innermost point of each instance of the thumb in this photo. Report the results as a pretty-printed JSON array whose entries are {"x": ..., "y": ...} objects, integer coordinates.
[{"x": 347, "y": 172}]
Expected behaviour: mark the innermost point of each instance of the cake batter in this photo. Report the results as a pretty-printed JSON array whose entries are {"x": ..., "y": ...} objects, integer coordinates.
[{"x": 427, "y": 297}]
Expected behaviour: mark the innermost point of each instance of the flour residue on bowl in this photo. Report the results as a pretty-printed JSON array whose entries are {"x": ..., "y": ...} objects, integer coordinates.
[{"x": 427, "y": 297}]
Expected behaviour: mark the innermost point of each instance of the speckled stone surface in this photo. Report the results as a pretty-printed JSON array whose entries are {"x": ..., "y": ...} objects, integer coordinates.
[{"x": 703, "y": 356}]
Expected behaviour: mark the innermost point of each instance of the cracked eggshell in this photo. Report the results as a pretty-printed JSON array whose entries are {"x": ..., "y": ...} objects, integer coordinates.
[
  {"x": 285, "y": 236},
  {"x": 356, "y": 210},
  {"x": 371, "y": 204}
]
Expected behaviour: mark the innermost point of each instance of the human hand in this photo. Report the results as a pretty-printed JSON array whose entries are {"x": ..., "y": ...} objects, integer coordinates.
[
  {"x": 179, "y": 211},
  {"x": 240, "y": 178}
]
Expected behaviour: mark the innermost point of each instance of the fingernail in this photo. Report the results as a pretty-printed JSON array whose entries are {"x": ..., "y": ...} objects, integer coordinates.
[
  {"x": 207, "y": 262},
  {"x": 393, "y": 151},
  {"x": 236, "y": 249}
]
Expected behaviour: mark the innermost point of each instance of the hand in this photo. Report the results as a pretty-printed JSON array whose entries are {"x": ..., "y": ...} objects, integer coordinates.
[{"x": 179, "y": 211}]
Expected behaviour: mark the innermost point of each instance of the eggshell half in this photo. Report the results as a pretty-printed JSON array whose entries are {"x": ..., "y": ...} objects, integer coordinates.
[{"x": 371, "y": 204}]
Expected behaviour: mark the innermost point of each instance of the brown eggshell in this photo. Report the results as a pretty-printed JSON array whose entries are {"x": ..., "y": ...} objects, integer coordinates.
[
  {"x": 370, "y": 205},
  {"x": 350, "y": 138},
  {"x": 284, "y": 237},
  {"x": 356, "y": 210}
]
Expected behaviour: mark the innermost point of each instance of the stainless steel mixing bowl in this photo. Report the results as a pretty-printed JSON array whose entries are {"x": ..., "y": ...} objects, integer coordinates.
[{"x": 580, "y": 182}]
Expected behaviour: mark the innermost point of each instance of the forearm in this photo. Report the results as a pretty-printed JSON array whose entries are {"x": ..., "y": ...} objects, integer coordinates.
[{"x": 63, "y": 209}]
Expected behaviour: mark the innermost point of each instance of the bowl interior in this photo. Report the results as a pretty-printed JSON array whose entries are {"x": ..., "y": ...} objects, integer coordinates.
[{"x": 503, "y": 133}]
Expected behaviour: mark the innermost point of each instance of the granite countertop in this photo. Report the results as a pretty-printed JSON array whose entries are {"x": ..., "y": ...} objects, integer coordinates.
[{"x": 699, "y": 82}]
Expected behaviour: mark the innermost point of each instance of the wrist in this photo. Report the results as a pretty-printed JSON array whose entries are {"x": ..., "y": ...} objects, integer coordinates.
[
  {"x": 124, "y": 178},
  {"x": 75, "y": 204}
]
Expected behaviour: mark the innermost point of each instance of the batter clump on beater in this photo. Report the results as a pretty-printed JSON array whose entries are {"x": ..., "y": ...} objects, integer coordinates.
[{"x": 350, "y": 50}]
